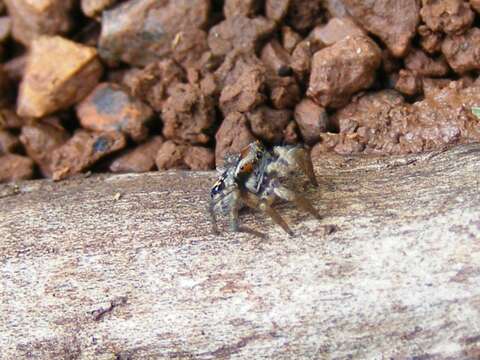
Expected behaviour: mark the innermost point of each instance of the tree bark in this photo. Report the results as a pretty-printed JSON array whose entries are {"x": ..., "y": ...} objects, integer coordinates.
[{"x": 126, "y": 266}]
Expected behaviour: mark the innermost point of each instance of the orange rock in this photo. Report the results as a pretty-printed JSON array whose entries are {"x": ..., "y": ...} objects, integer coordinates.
[
  {"x": 33, "y": 18},
  {"x": 59, "y": 73},
  {"x": 110, "y": 108},
  {"x": 94, "y": 8}
]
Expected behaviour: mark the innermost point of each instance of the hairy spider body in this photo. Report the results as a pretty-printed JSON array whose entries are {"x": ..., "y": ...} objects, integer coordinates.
[{"x": 253, "y": 179}]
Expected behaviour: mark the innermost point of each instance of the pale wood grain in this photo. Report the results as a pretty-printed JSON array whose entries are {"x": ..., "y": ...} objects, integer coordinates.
[{"x": 392, "y": 270}]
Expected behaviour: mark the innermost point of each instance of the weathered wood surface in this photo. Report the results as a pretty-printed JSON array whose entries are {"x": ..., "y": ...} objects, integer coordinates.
[{"x": 396, "y": 275}]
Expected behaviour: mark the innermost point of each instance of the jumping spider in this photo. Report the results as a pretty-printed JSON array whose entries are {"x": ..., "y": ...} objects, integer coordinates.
[{"x": 252, "y": 178}]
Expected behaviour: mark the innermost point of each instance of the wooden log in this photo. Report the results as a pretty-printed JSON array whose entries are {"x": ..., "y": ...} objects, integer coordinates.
[{"x": 126, "y": 267}]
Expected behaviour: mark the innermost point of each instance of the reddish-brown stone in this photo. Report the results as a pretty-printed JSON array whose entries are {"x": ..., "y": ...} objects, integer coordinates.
[
  {"x": 142, "y": 31},
  {"x": 423, "y": 65},
  {"x": 247, "y": 8},
  {"x": 140, "y": 159},
  {"x": 40, "y": 139},
  {"x": 239, "y": 32},
  {"x": 15, "y": 167},
  {"x": 245, "y": 94},
  {"x": 393, "y": 21},
  {"x": 335, "y": 30},
  {"x": 82, "y": 151},
  {"x": 408, "y": 82},
  {"x": 311, "y": 119},
  {"x": 8, "y": 142},
  {"x": 342, "y": 69}
]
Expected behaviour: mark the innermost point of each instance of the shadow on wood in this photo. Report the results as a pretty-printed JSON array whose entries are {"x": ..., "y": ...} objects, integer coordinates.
[{"x": 392, "y": 269}]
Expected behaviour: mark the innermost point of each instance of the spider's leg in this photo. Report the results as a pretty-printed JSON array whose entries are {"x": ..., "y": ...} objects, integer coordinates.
[
  {"x": 304, "y": 161},
  {"x": 213, "y": 217},
  {"x": 233, "y": 218},
  {"x": 256, "y": 233},
  {"x": 230, "y": 200},
  {"x": 254, "y": 202},
  {"x": 289, "y": 195},
  {"x": 234, "y": 208}
]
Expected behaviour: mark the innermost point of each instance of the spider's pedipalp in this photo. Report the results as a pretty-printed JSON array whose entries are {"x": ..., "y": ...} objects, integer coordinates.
[{"x": 292, "y": 158}]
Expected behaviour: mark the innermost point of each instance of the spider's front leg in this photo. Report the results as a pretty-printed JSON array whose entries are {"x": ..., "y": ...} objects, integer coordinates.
[
  {"x": 255, "y": 202},
  {"x": 213, "y": 217},
  {"x": 228, "y": 202},
  {"x": 286, "y": 194},
  {"x": 235, "y": 202},
  {"x": 233, "y": 213}
]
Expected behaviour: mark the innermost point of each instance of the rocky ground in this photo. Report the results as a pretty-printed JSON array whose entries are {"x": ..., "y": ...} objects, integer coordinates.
[{"x": 138, "y": 85}]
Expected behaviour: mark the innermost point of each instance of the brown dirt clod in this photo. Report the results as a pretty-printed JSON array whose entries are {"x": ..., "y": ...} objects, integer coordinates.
[
  {"x": 181, "y": 156},
  {"x": 463, "y": 51},
  {"x": 269, "y": 124},
  {"x": 232, "y": 136},
  {"x": 452, "y": 17},
  {"x": 188, "y": 115}
]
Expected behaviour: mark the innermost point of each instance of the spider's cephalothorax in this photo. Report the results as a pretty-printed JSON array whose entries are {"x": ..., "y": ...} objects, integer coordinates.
[{"x": 252, "y": 178}]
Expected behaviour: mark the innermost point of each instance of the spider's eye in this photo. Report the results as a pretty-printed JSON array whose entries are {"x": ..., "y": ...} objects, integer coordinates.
[
  {"x": 246, "y": 168},
  {"x": 259, "y": 154}
]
